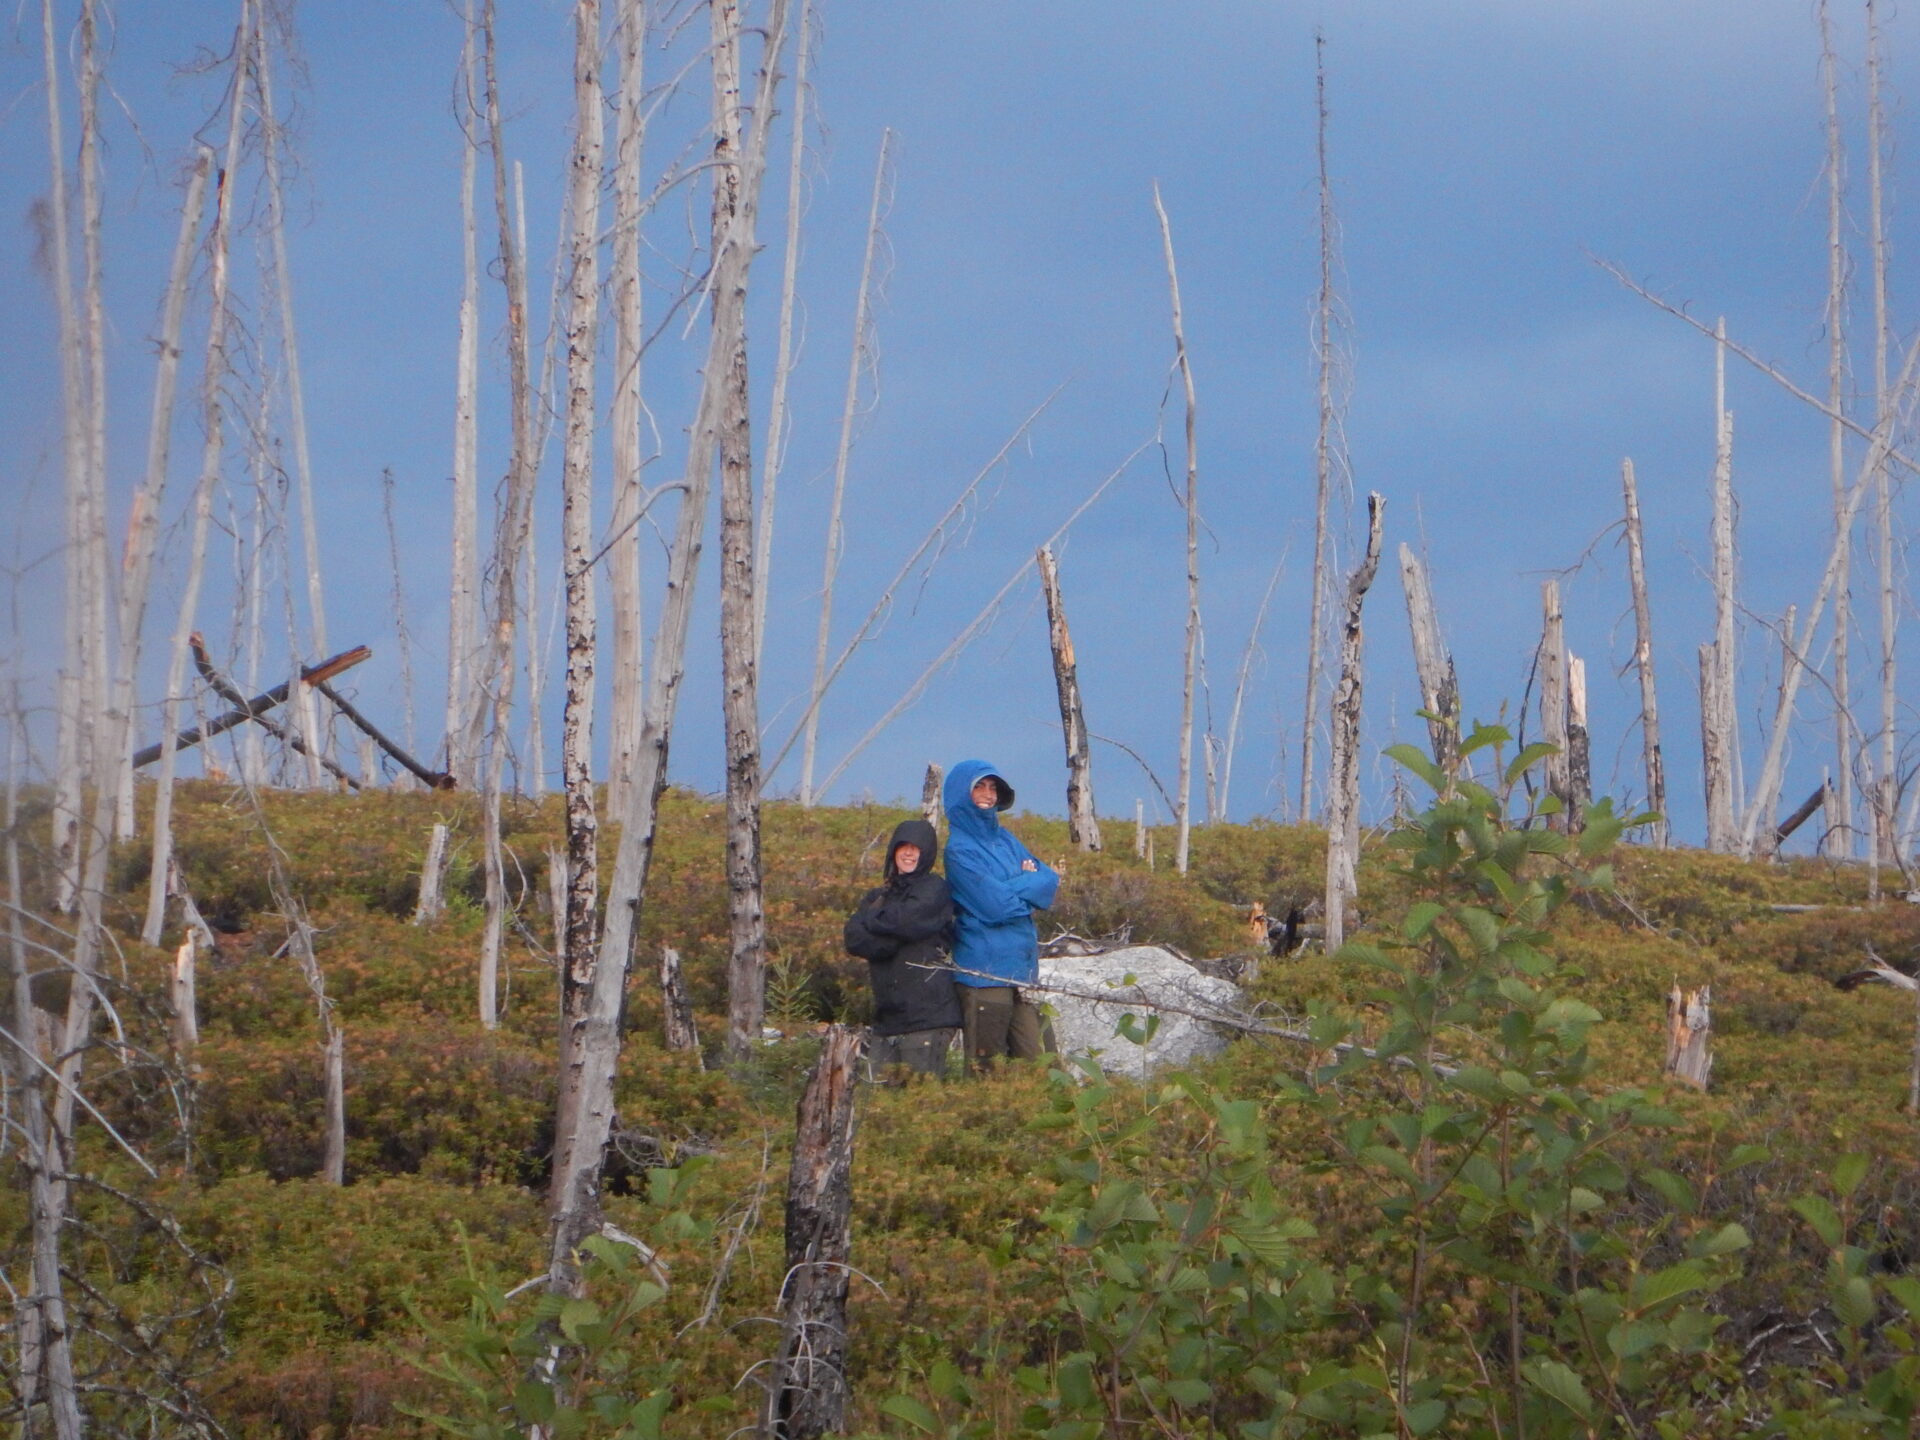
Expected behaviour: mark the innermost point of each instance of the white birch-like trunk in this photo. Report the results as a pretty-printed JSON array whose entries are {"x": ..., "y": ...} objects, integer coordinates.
[
  {"x": 1139, "y": 829},
  {"x": 182, "y": 994},
  {"x": 465, "y": 698},
  {"x": 1553, "y": 700},
  {"x": 1184, "y": 818},
  {"x": 1716, "y": 773},
  {"x": 433, "y": 873},
  {"x": 849, "y": 406},
  {"x": 1323, "y": 437},
  {"x": 1343, "y": 754},
  {"x": 1656, "y": 770},
  {"x": 143, "y": 519},
  {"x": 1840, "y": 828},
  {"x": 509, "y": 540},
  {"x": 576, "y": 925},
  {"x": 774, "y": 454},
  {"x": 1886, "y": 781},
  {"x": 1083, "y": 822},
  {"x": 1439, "y": 687},
  {"x": 210, "y": 458},
  {"x": 623, "y": 558},
  {"x": 1723, "y": 821},
  {"x": 577, "y": 1183},
  {"x": 97, "y": 729},
  {"x": 1579, "y": 753}
]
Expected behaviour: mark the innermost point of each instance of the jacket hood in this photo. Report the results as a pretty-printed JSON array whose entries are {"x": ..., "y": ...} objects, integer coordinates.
[
  {"x": 914, "y": 832},
  {"x": 963, "y": 815}
]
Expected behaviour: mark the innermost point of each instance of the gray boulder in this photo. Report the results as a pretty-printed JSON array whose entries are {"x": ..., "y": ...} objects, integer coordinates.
[{"x": 1090, "y": 993}]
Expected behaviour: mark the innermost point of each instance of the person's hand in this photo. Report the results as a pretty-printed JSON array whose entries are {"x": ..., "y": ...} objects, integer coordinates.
[
  {"x": 1060, "y": 868},
  {"x": 1028, "y": 865}
]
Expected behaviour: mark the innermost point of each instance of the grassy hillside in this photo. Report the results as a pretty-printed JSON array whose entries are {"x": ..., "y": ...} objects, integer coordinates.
[{"x": 965, "y": 1219}]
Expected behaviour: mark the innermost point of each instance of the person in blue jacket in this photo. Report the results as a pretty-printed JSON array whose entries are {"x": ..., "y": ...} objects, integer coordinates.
[{"x": 997, "y": 884}]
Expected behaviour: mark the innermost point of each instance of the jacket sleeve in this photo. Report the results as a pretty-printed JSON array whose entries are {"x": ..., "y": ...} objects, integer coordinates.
[
  {"x": 921, "y": 911},
  {"x": 859, "y": 936},
  {"x": 985, "y": 894},
  {"x": 1040, "y": 885}
]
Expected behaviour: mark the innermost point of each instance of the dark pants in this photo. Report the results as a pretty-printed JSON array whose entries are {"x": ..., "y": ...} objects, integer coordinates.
[
  {"x": 924, "y": 1052},
  {"x": 1001, "y": 1024}
]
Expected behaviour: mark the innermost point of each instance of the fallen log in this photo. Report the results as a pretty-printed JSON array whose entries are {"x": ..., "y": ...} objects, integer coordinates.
[
  {"x": 1800, "y": 817},
  {"x": 230, "y": 692},
  {"x": 257, "y": 706},
  {"x": 432, "y": 779}
]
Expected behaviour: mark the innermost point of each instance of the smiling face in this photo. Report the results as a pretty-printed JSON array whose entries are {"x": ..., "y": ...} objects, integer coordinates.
[
  {"x": 906, "y": 858},
  {"x": 986, "y": 792}
]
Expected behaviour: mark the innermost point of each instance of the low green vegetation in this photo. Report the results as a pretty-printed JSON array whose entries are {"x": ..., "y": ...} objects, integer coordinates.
[{"x": 1470, "y": 1207}]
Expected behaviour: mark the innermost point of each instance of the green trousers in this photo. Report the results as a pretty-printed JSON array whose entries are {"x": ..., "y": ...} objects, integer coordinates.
[{"x": 1001, "y": 1024}]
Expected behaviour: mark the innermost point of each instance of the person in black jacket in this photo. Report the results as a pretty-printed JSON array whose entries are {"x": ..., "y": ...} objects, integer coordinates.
[{"x": 904, "y": 931}]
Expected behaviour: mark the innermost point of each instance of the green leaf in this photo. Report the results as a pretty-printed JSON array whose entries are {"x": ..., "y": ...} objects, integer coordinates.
[
  {"x": 1848, "y": 1172},
  {"x": 1724, "y": 1241},
  {"x": 1557, "y": 1382},
  {"x": 1425, "y": 1416},
  {"x": 1527, "y": 759},
  {"x": 1744, "y": 1155},
  {"x": 533, "y": 1402},
  {"x": 1818, "y": 1212},
  {"x": 645, "y": 1417},
  {"x": 1852, "y": 1301},
  {"x": 1651, "y": 1291},
  {"x": 1906, "y": 1290},
  {"x": 1076, "y": 1382},
  {"x": 1190, "y": 1392},
  {"x": 1417, "y": 760},
  {"x": 1674, "y": 1189},
  {"x": 1632, "y": 1337},
  {"x": 905, "y": 1407},
  {"x": 1421, "y": 917},
  {"x": 575, "y": 1315},
  {"x": 945, "y": 1380}
]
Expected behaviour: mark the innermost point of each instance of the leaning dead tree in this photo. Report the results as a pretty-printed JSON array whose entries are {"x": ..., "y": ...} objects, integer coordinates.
[
  {"x": 807, "y": 1396},
  {"x": 1656, "y": 770},
  {"x": 1083, "y": 823},
  {"x": 1439, "y": 687},
  {"x": 1183, "y": 816},
  {"x": 1343, "y": 758}
]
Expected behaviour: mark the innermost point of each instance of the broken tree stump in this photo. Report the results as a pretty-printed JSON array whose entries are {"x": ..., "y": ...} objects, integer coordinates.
[
  {"x": 432, "y": 875},
  {"x": 675, "y": 1007},
  {"x": 1083, "y": 826},
  {"x": 808, "y": 1394},
  {"x": 930, "y": 796},
  {"x": 186, "y": 1018},
  {"x": 1690, "y": 1034}
]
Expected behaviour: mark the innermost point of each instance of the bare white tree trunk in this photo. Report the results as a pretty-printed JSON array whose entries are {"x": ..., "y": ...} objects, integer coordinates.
[
  {"x": 930, "y": 795},
  {"x": 210, "y": 458},
  {"x": 143, "y": 526},
  {"x": 1553, "y": 699},
  {"x": 1579, "y": 753},
  {"x": 1840, "y": 831},
  {"x": 1656, "y": 770},
  {"x": 1884, "y": 851},
  {"x": 1439, "y": 687},
  {"x": 182, "y": 994},
  {"x": 465, "y": 703},
  {"x": 856, "y": 364},
  {"x": 1723, "y": 817},
  {"x": 1324, "y": 437},
  {"x": 1183, "y": 820},
  {"x": 320, "y": 740},
  {"x": 1716, "y": 772},
  {"x": 774, "y": 455},
  {"x": 579, "y": 1154},
  {"x": 509, "y": 541},
  {"x": 1240, "y": 690},
  {"x": 579, "y": 950},
  {"x": 97, "y": 729},
  {"x": 1343, "y": 758},
  {"x": 1690, "y": 1035},
  {"x": 433, "y": 874},
  {"x": 623, "y": 558},
  {"x": 677, "y": 1010},
  {"x": 1083, "y": 822}
]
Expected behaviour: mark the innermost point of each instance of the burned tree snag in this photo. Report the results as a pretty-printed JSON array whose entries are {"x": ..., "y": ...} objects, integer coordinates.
[
  {"x": 1343, "y": 759},
  {"x": 432, "y": 872},
  {"x": 930, "y": 796},
  {"x": 1656, "y": 770},
  {"x": 1083, "y": 825},
  {"x": 1690, "y": 1035},
  {"x": 1714, "y": 745},
  {"x": 1439, "y": 690},
  {"x": 1579, "y": 756},
  {"x": 1819, "y": 799},
  {"x": 181, "y": 998},
  {"x": 676, "y": 1009},
  {"x": 1553, "y": 699},
  {"x": 808, "y": 1395}
]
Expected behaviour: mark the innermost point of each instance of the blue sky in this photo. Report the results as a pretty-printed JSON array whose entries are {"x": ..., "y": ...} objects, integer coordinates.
[{"x": 1484, "y": 154}]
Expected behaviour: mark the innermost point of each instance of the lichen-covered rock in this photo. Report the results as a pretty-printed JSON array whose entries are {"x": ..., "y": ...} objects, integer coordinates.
[{"x": 1090, "y": 993}]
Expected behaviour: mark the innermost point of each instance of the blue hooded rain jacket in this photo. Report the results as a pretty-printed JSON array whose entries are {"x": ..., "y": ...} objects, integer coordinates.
[{"x": 993, "y": 898}]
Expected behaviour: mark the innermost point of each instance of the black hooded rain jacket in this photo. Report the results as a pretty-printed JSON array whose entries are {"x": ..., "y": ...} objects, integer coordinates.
[{"x": 904, "y": 931}]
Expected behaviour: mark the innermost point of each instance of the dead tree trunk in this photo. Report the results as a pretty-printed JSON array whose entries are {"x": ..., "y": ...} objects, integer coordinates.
[
  {"x": 577, "y": 926},
  {"x": 1725, "y": 722},
  {"x": 1840, "y": 833},
  {"x": 1343, "y": 757},
  {"x": 808, "y": 1394},
  {"x": 580, "y": 1153},
  {"x": 1083, "y": 823},
  {"x": 1821, "y": 798},
  {"x": 1553, "y": 700},
  {"x": 465, "y": 706},
  {"x": 623, "y": 559},
  {"x": 1139, "y": 829},
  {"x": 1579, "y": 754},
  {"x": 433, "y": 871},
  {"x": 1656, "y": 770},
  {"x": 1715, "y": 769},
  {"x": 930, "y": 795},
  {"x": 1885, "y": 783},
  {"x": 1183, "y": 820},
  {"x": 181, "y": 994},
  {"x": 97, "y": 726},
  {"x": 1690, "y": 1035},
  {"x": 849, "y": 407},
  {"x": 212, "y": 424},
  {"x": 676, "y": 1008},
  {"x": 509, "y": 540},
  {"x": 1439, "y": 688},
  {"x": 1325, "y": 437}
]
